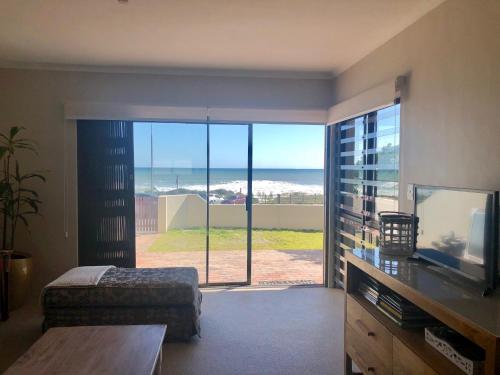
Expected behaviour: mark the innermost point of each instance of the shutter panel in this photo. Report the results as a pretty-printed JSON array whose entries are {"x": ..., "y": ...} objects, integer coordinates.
[
  {"x": 365, "y": 179},
  {"x": 106, "y": 213}
]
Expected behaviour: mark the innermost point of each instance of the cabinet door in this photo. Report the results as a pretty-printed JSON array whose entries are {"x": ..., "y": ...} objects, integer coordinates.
[
  {"x": 373, "y": 333},
  {"x": 405, "y": 362},
  {"x": 362, "y": 353}
]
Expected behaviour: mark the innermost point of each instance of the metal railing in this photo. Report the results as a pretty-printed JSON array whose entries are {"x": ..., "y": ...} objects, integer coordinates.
[
  {"x": 146, "y": 213},
  {"x": 288, "y": 198}
]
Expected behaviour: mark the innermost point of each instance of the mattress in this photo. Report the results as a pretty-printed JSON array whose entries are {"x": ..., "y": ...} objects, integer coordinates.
[{"x": 127, "y": 287}]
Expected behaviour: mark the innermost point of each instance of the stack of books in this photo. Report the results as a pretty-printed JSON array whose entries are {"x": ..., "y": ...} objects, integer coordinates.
[
  {"x": 398, "y": 309},
  {"x": 370, "y": 289},
  {"x": 403, "y": 312}
]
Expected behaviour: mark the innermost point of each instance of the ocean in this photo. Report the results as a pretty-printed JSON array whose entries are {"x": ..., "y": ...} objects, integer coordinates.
[{"x": 265, "y": 181}]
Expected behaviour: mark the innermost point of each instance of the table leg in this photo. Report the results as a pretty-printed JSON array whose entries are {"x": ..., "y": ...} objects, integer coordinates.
[
  {"x": 347, "y": 364},
  {"x": 157, "y": 370}
]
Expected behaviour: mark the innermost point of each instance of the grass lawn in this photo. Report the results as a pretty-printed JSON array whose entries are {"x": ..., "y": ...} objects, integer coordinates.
[{"x": 235, "y": 239}]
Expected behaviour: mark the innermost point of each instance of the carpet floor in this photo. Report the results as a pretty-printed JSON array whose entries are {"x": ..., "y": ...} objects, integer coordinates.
[
  {"x": 244, "y": 331},
  {"x": 262, "y": 331}
]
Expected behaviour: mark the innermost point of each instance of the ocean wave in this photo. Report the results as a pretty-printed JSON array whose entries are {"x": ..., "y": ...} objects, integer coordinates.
[{"x": 259, "y": 187}]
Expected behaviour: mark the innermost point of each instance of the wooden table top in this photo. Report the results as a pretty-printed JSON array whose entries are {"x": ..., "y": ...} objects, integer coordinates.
[{"x": 131, "y": 349}]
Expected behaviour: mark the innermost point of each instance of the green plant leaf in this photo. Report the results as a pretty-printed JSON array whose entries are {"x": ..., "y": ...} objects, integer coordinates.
[
  {"x": 33, "y": 175},
  {"x": 23, "y": 219},
  {"x": 18, "y": 175},
  {"x": 16, "y": 201},
  {"x": 28, "y": 191},
  {"x": 25, "y": 146},
  {"x": 14, "y": 131},
  {"x": 3, "y": 151}
]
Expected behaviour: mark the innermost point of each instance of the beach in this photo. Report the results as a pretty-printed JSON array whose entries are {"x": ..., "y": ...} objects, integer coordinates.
[{"x": 265, "y": 181}]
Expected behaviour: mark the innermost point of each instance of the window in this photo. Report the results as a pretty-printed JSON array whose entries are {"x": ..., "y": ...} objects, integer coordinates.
[{"x": 364, "y": 179}]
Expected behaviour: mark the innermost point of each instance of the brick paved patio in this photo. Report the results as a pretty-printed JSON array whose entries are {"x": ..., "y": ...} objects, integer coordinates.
[{"x": 269, "y": 267}]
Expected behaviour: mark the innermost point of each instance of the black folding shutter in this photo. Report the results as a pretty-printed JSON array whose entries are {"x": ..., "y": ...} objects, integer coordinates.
[{"x": 106, "y": 217}]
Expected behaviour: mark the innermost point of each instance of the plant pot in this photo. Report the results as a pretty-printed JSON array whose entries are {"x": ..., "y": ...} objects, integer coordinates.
[{"x": 19, "y": 279}]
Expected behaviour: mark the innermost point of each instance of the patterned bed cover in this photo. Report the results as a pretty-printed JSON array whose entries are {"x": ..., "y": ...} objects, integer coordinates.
[{"x": 130, "y": 296}]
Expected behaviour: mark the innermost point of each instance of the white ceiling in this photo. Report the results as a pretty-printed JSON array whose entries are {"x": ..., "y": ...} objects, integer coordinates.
[{"x": 307, "y": 36}]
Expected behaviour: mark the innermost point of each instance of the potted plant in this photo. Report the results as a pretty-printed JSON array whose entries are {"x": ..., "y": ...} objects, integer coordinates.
[{"x": 18, "y": 201}]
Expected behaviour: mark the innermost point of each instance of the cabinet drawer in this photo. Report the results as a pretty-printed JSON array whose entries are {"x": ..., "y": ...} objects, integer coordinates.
[
  {"x": 407, "y": 363},
  {"x": 363, "y": 354},
  {"x": 377, "y": 337}
]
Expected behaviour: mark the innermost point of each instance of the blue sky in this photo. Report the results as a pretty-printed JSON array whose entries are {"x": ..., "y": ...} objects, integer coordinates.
[{"x": 184, "y": 145}]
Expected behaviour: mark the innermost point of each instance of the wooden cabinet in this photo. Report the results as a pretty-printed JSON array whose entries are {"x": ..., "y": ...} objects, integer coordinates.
[
  {"x": 366, "y": 329},
  {"x": 377, "y": 345},
  {"x": 367, "y": 357},
  {"x": 374, "y": 349},
  {"x": 408, "y": 363}
]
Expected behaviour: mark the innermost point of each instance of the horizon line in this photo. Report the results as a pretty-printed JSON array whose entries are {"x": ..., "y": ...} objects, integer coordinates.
[{"x": 137, "y": 166}]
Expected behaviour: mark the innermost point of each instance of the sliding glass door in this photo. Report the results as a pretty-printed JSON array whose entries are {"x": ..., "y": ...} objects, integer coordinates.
[
  {"x": 191, "y": 184},
  {"x": 194, "y": 202},
  {"x": 228, "y": 234},
  {"x": 288, "y": 211},
  {"x": 170, "y": 195}
]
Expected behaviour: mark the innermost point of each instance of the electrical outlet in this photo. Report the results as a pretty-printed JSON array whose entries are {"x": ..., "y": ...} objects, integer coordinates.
[{"x": 409, "y": 192}]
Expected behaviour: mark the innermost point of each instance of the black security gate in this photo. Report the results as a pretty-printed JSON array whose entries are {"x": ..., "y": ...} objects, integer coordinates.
[{"x": 106, "y": 220}]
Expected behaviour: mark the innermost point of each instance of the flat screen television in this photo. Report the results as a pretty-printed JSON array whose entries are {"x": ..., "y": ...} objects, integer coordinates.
[{"x": 458, "y": 229}]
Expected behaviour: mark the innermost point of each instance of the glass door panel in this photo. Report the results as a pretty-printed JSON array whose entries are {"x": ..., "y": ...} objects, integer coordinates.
[
  {"x": 171, "y": 195},
  {"x": 288, "y": 211},
  {"x": 228, "y": 216}
]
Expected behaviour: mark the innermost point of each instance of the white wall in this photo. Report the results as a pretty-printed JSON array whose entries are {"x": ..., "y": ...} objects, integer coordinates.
[
  {"x": 181, "y": 211},
  {"x": 450, "y": 127},
  {"x": 35, "y": 99},
  {"x": 189, "y": 211}
]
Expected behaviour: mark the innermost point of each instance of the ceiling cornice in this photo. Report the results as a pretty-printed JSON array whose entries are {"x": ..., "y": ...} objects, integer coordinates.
[{"x": 236, "y": 73}]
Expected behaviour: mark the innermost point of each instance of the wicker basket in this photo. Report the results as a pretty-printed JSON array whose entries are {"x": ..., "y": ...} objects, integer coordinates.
[
  {"x": 397, "y": 233},
  {"x": 469, "y": 366}
]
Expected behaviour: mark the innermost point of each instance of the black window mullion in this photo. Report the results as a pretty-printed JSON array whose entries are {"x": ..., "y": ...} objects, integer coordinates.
[{"x": 371, "y": 175}]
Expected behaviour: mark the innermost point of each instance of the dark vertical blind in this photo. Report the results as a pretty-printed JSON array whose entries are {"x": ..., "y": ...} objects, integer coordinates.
[
  {"x": 106, "y": 218},
  {"x": 365, "y": 181}
]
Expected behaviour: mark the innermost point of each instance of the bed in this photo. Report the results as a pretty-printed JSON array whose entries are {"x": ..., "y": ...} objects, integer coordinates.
[{"x": 120, "y": 296}]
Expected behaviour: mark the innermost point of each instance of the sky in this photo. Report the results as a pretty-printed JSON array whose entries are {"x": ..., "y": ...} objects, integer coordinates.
[{"x": 184, "y": 146}]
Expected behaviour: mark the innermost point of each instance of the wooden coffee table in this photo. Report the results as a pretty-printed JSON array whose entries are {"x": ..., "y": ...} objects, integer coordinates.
[{"x": 134, "y": 349}]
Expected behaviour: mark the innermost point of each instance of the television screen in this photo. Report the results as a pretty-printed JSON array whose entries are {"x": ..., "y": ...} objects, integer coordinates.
[{"x": 454, "y": 228}]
